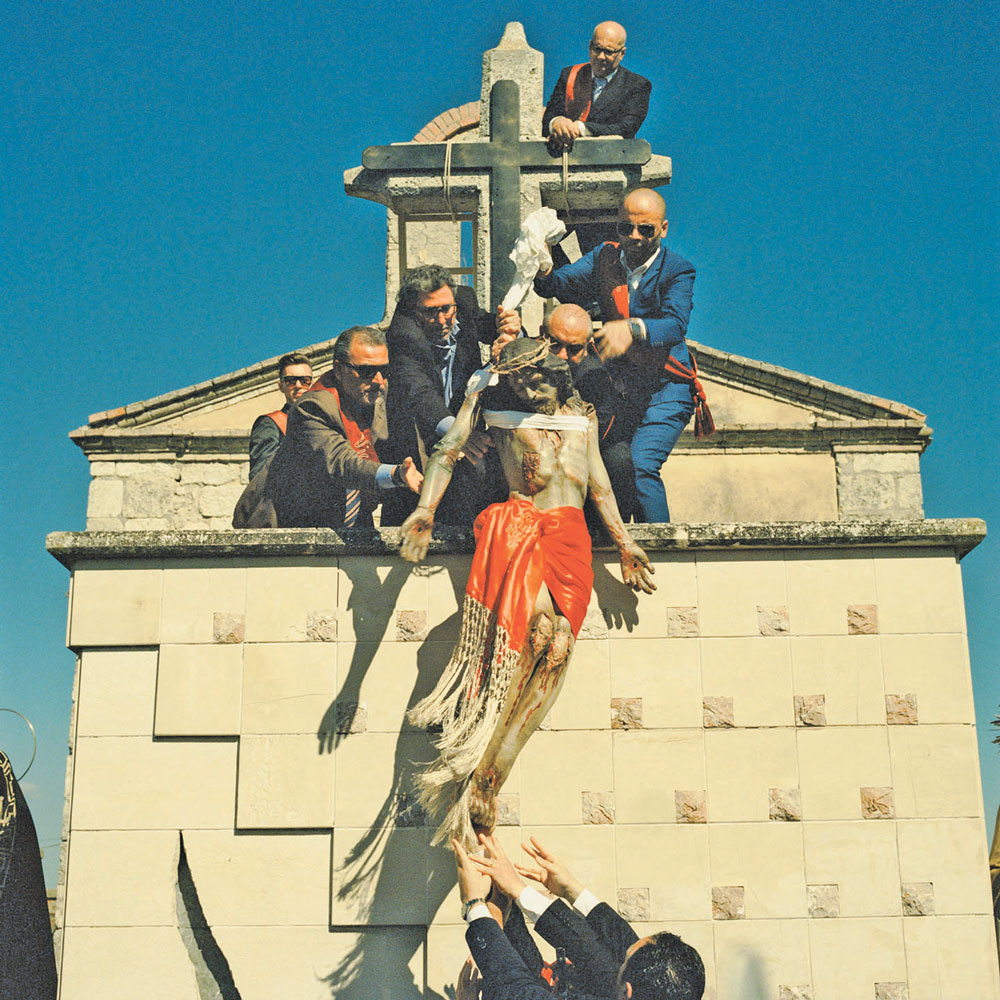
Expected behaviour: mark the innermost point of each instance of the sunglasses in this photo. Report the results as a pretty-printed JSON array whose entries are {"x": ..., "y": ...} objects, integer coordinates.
[
  {"x": 367, "y": 372},
  {"x": 602, "y": 51},
  {"x": 572, "y": 350},
  {"x": 431, "y": 313},
  {"x": 646, "y": 229},
  {"x": 297, "y": 379}
]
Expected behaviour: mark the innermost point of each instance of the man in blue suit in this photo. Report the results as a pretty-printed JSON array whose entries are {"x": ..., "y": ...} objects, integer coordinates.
[{"x": 644, "y": 290}]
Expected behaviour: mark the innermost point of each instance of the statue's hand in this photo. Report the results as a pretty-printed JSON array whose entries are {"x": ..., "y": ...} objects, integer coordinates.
[
  {"x": 636, "y": 569},
  {"x": 416, "y": 535}
]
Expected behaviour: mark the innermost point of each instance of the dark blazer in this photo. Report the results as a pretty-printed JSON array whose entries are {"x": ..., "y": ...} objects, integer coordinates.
[
  {"x": 265, "y": 436},
  {"x": 415, "y": 390},
  {"x": 305, "y": 483},
  {"x": 593, "y": 382},
  {"x": 620, "y": 109}
]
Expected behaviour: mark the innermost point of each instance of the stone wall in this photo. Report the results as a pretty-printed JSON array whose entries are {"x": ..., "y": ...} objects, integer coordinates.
[
  {"x": 878, "y": 484},
  {"x": 772, "y": 755}
]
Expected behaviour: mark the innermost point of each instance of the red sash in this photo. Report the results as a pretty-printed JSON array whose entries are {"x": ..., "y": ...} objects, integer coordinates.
[
  {"x": 613, "y": 293},
  {"x": 281, "y": 419},
  {"x": 578, "y": 105},
  {"x": 360, "y": 440}
]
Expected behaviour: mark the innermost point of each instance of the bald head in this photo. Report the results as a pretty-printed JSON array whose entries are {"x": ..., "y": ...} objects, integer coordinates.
[
  {"x": 645, "y": 214},
  {"x": 607, "y": 46},
  {"x": 647, "y": 201},
  {"x": 569, "y": 330}
]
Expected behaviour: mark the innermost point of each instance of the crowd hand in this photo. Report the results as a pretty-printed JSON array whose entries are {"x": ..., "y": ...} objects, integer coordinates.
[
  {"x": 636, "y": 569},
  {"x": 564, "y": 128},
  {"x": 498, "y": 867},
  {"x": 500, "y": 343},
  {"x": 478, "y": 443},
  {"x": 508, "y": 321},
  {"x": 415, "y": 535},
  {"x": 472, "y": 883},
  {"x": 551, "y": 872},
  {"x": 613, "y": 339},
  {"x": 412, "y": 476},
  {"x": 470, "y": 983}
]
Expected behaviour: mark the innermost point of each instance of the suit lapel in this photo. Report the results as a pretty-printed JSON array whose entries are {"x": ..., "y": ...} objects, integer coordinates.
[{"x": 610, "y": 90}]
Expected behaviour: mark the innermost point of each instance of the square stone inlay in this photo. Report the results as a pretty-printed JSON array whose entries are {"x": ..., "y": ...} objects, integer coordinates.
[
  {"x": 691, "y": 807},
  {"x": 682, "y": 623},
  {"x": 351, "y": 717},
  {"x": 795, "y": 993},
  {"x": 918, "y": 899},
  {"x": 626, "y": 713},
  {"x": 862, "y": 619},
  {"x": 321, "y": 626},
  {"x": 718, "y": 713},
  {"x": 633, "y": 904},
  {"x": 901, "y": 709},
  {"x": 772, "y": 621},
  {"x": 891, "y": 991},
  {"x": 810, "y": 709},
  {"x": 409, "y": 811},
  {"x": 727, "y": 902},
  {"x": 785, "y": 804},
  {"x": 877, "y": 803},
  {"x": 227, "y": 627},
  {"x": 594, "y": 626},
  {"x": 509, "y": 809},
  {"x": 824, "y": 901},
  {"x": 411, "y": 626},
  {"x": 598, "y": 807}
]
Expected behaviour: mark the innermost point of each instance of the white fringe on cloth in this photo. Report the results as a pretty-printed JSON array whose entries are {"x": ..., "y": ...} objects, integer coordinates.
[{"x": 467, "y": 702}]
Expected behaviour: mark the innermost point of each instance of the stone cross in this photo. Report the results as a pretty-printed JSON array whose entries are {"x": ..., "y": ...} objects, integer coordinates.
[{"x": 504, "y": 157}]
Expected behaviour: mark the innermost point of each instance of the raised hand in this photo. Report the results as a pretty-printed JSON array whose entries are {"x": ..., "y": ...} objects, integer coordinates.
[
  {"x": 498, "y": 866},
  {"x": 550, "y": 871}
]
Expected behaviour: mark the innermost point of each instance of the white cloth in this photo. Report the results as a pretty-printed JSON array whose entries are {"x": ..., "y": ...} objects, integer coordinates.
[
  {"x": 531, "y": 252},
  {"x": 510, "y": 420}
]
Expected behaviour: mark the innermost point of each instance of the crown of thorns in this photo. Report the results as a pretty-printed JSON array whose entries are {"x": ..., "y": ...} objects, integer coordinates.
[{"x": 525, "y": 352}]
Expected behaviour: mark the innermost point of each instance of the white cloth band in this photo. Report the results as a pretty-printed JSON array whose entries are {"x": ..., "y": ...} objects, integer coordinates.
[{"x": 510, "y": 420}]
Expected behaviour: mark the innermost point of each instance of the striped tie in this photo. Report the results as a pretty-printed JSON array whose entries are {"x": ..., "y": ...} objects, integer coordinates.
[{"x": 352, "y": 507}]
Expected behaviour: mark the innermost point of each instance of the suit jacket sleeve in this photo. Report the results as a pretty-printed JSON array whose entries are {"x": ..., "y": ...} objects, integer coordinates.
[
  {"x": 576, "y": 282},
  {"x": 631, "y": 106},
  {"x": 594, "y": 961},
  {"x": 317, "y": 434},
  {"x": 264, "y": 440},
  {"x": 557, "y": 102},
  {"x": 505, "y": 976},
  {"x": 613, "y": 930},
  {"x": 665, "y": 303},
  {"x": 414, "y": 381},
  {"x": 594, "y": 385}
]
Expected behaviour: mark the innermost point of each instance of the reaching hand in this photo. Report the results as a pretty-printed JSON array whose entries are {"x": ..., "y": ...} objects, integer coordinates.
[
  {"x": 500, "y": 343},
  {"x": 472, "y": 883},
  {"x": 411, "y": 475},
  {"x": 498, "y": 867},
  {"x": 416, "y": 535},
  {"x": 477, "y": 445},
  {"x": 636, "y": 568},
  {"x": 551, "y": 872},
  {"x": 508, "y": 322},
  {"x": 613, "y": 339}
]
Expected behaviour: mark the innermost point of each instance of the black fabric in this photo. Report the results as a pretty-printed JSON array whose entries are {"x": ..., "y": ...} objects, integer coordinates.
[{"x": 265, "y": 436}]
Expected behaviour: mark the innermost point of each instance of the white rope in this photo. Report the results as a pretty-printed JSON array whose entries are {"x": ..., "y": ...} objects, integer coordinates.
[{"x": 447, "y": 180}]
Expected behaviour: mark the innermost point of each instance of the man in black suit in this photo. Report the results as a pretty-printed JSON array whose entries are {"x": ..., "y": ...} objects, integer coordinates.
[
  {"x": 609, "y": 959},
  {"x": 434, "y": 340}
]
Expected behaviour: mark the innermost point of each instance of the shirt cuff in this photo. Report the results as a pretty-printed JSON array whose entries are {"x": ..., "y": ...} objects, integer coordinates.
[
  {"x": 444, "y": 425},
  {"x": 533, "y": 903},
  {"x": 583, "y": 129},
  {"x": 585, "y": 902},
  {"x": 383, "y": 477},
  {"x": 477, "y": 911}
]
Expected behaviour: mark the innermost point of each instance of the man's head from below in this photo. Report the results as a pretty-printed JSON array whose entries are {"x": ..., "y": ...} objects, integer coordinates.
[
  {"x": 661, "y": 967},
  {"x": 569, "y": 330},
  {"x": 360, "y": 368},
  {"x": 294, "y": 376},
  {"x": 607, "y": 47},
  {"x": 541, "y": 381},
  {"x": 427, "y": 293},
  {"x": 642, "y": 223}
]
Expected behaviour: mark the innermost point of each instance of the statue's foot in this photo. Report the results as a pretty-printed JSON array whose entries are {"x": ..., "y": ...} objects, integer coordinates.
[{"x": 483, "y": 802}]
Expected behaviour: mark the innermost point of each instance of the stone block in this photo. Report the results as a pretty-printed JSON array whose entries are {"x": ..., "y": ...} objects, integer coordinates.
[
  {"x": 198, "y": 690},
  {"x": 801, "y": 991},
  {"x": 765, "y": 953},
  {"x": 919, "y": 592},
  {"x": 583, "y": 701},
  {"x": 105, "y": 524},
  {"x": 321, "y": 626},
  {"x": 594, "y": 626},
  {"x": 597, "y": 807},
  {"x": 731, "y": 586},
  {"x": 690, "y": 806},
  {"x": 370, "y": 590},
  {"x": 785, "y": 805},
  {"x": 287, "y": 687},
  {"x": 682, "y": 623},
  {"x": 446, "y": 954},
  {"x": 718, "y": 713},
  {"x": 637, "y": 615},
  {"x": 862, "y": 756},
  {"x": 509, "y": 809},
  {"x": 772, "y": 621},
  {"x": 935, "y": 771},
  {"x": 824, "y": 901},
  {"x": 918, "y": 899},
  {"x": 671, "y": 693},
  {"x": 116, "y": 692},
  {"x": 350, "y": 717},
  {"x": 862, "y": 619},
  {"x": 409, "y": 812},
  {"x": 626, "y": 713},
  {"x": 197, "y": 596},
  {"x": 105, "y": 496},
  {"x": 244, "y": 881},
  {"x": 810, "y": 710},
  {"x": 107, "y": 867},
  {"x": 411, "y": 626},
  {"x": 861, "y": 859},
  {"x": 147, "y": 523},
  {"x": 678, "y": 891},
  {"x": 676, "y": 757},
  {"x": 742, "y": 766},
  {"x": 891, "y": 991},
  {"x": 228, "y": 629},
  {"x": 445, "y": 578},
  {"x": 876, "y": 949},
  {"x": 728, "y": 902},
  {"x": 275, "y": 609},
  {"x": 847, "y": 672},
  {"x": 150, "y": 493},
  {"x": 951, "y": 958},
  {"x": 557, "y": 768},
  {"x": 901, "y": 709},
  {"x": 115, "y": 604},
  {"x": 766, "y": 861},
  {"x": 633, "y": 904},
  {"x": 219, "y": 501},
  {"x": 935, "y": 668},
  {"x": 284, "y": 784},
  {"x": 756, "y": 673},
  {"x": 210, "y": 473},
  {"x": 877, "y": 803},
  {"x": 132, "y": 783}
]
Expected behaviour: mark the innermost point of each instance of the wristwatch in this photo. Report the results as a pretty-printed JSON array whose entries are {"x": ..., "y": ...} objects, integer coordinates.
[
  {"x": 469, "y": 905},
  {"x": 397, "y": 476},
  {"x": 638, "y": 330}
]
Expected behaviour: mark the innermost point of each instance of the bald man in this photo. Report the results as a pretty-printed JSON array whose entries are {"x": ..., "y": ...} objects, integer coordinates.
[
  {"x": 645, "y": 294},
  {"x": 599, "y": 97},
  {"x": 570, "y": 334}
]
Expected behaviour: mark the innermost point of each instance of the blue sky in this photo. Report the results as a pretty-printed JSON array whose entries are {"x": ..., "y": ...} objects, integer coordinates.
[{"x": 173, "y": 209}]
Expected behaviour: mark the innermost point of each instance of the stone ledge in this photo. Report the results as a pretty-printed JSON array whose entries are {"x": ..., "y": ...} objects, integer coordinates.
[{"x": 70, "y": 547}]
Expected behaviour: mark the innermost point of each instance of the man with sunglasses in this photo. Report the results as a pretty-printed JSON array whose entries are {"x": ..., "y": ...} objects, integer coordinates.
[
  {"x": 294, "y": 378},
  {"x": 434, "y": 348},
  {"x": 645, "y": 291},
  {"x": 333, "y": 467}
]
